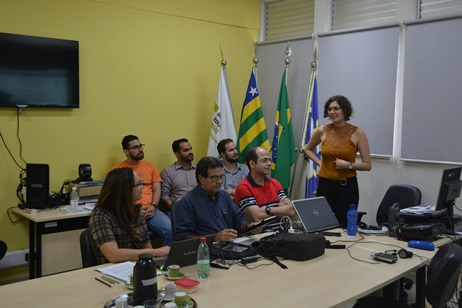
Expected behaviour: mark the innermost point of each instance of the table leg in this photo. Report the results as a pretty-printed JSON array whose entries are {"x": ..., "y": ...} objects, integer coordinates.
[
  {"x": 420, "y": 286},
  {"x": 31, "y": 249},
  {"x": 38, "y": 249}
]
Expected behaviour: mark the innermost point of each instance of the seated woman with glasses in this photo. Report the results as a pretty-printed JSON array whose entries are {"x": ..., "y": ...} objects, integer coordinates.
[
  {"x": 118, "y": 230},
  {"x": 208, "y": 209}
]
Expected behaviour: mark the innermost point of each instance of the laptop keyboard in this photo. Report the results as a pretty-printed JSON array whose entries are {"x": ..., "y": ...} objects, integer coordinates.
[{"x": 160, "y": 262}]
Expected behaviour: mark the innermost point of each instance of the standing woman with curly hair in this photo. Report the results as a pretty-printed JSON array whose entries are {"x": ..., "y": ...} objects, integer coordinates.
[
  {"x": 340, "y": 143},
  {"x": 118, "y": 230}
]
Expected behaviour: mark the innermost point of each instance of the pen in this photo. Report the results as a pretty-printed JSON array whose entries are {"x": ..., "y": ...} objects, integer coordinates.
[
  {"x": 103, "y": 282},
  {"x": 109, "y": 279}
]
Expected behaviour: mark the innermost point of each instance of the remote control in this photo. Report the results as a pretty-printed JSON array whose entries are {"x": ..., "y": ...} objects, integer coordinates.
[
  {"x": 247, "y": 260},
  {"x": 385, "y": 257}
]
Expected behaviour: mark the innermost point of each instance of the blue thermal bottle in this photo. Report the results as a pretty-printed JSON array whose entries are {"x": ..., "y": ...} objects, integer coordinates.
[{"x": 352, "y": 217}]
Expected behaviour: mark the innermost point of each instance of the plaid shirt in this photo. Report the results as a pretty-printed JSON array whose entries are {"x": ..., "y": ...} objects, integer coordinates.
[{"x": 104, "y": 228}]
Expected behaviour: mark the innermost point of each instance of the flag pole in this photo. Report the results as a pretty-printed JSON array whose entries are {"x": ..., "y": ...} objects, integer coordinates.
[
  {"x": 300, "y": 148},
  {"x": 288, "y": 53}
]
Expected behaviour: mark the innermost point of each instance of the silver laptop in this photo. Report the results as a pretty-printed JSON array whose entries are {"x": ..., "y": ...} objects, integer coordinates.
[{"x": 315, "y": 214}]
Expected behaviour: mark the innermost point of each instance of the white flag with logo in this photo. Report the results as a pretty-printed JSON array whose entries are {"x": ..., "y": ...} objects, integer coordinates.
[{"x": 222, "y": 119}]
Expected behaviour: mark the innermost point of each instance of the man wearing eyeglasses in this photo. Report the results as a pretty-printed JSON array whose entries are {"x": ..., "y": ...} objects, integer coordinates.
[
  {"x": 156, "y": 220},
  {"x": 234, "y": 171},
  {"x": 207, "y": 209},
  {"x": 260, "y": 196}
]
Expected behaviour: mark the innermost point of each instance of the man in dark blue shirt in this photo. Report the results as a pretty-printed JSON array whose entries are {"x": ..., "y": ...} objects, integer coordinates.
[{"x": 207, "y": 209}]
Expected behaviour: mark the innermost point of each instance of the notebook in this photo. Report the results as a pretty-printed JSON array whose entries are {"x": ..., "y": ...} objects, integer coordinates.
[
  {"x": 315, "y": 214},
  {"x": 183, "y": 253}
]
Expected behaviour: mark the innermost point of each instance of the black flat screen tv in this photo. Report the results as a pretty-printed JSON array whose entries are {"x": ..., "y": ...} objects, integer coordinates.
[{"x": 38, "y": 72}]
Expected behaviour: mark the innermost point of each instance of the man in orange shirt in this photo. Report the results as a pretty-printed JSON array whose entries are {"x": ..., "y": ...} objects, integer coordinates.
[{"x": 156, "y": 220}]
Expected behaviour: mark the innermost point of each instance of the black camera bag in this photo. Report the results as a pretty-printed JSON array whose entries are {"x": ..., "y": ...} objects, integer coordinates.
[{"x": 300, "y": 247}]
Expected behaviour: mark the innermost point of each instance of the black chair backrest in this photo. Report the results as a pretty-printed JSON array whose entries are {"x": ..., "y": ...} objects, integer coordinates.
[
  {"x": 173, "y": 212},
  {"x": 3, "y": 249},
  {"x": 443, "y": 274},
  {"x": 88, "y": 257},
  {"x": 403, "y": 194}
]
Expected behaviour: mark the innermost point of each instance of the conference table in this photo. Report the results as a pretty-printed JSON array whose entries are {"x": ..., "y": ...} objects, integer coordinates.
[{"x": 334, "y": 279}]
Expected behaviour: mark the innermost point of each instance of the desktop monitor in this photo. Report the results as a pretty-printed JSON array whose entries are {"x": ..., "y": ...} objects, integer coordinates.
[{"x": 449, "y": 190}]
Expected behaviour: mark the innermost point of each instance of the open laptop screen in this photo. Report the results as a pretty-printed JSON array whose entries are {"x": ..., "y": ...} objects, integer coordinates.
[{"x": 315, "y": 214}]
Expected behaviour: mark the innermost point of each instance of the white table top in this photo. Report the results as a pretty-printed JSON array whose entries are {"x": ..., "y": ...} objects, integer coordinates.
[{"x": 331, "y": 280}]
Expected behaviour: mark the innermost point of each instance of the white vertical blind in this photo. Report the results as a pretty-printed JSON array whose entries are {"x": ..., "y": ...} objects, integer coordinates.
[
  {"x": 347, "y": 14},
  {"x": 288, "y": 18},
  {"x": 439, "y": 8}
]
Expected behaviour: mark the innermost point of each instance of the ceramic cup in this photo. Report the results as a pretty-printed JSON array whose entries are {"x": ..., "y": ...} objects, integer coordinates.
[
  {"x": 181, "y": 299},
  {"x": 170, "y": 305},
  {"x": 130, "y": 279},
  {"x": 174, "y": 271},
  {"x": 169, "y": 290}
]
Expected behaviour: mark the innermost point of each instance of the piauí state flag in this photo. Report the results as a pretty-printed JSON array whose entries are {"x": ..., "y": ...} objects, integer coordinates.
[{"x": 252, "y": 131}]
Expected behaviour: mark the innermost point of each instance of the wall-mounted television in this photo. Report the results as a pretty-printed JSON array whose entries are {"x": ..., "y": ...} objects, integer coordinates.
[{"x": 38, "y": 72}]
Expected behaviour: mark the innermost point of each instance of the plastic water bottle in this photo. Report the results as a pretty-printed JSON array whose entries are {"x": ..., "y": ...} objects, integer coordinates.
[
  {"x": 352, "y": 216},
  {"x": 144, "y": 279},
  {"x": 74, "y": 200},
  {"x": 203, "y": 259}
]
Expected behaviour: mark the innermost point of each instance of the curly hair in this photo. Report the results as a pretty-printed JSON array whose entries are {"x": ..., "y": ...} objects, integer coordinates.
[{"x": 343, "y": 102}]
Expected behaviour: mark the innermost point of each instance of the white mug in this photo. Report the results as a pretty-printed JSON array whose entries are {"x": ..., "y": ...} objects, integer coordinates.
[{"x": 170, "y": 305}]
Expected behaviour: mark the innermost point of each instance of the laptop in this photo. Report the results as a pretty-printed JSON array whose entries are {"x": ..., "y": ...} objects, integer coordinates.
[
  {"x": 315, "y": 214},
  {"x": 182, "y": 253}
]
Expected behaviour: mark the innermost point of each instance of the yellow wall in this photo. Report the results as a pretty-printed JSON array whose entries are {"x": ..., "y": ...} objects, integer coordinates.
[{"x": 147, "y": 67}]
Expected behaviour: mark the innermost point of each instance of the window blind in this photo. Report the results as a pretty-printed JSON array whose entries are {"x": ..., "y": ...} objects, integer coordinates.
[
  {"x": 347, "y": 14},
  {"x": 439, "y": 8},
  {"x": 288, "y": 18}
]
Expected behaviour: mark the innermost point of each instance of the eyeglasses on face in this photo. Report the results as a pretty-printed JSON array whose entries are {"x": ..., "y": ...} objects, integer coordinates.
[
  {"x": 336, "y": 108},
  {"x": 136, "y": 147},
  {"x": 139, "y": 183},
  {"x": 265, "y": 160},
  {"x": 215, "y": 178}
]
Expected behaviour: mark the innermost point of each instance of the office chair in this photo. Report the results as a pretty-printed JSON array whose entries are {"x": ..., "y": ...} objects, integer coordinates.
[
  {"x": 86, "y": 250},
  {"x": 403, "y": 194},
  {"x": 3, "y": 249},
  {"x": 173, "y": 212},
  {"x": 442, "y": 277}
]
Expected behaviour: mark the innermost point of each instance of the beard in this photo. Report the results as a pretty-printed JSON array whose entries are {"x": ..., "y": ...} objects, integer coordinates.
[
  {"x": 140, "y": 156},
  {"x": 232, "y": 160},
  {"x": 187, "y": 159}
]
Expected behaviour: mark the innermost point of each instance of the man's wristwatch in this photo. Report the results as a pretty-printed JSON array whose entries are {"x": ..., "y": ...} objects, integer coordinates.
[
  {"x": 350, "y": 166},
  {"x": 268, "y": 209}
]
